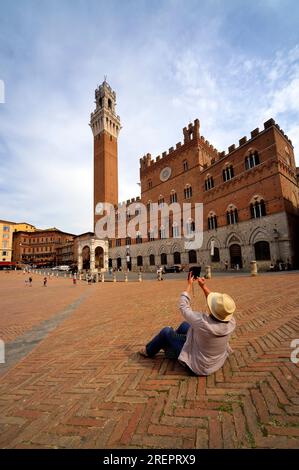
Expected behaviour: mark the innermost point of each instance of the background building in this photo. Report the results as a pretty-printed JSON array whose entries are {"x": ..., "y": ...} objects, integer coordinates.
[
  {"x": 250, "y": 196},
  {"x": 39, "y": 247},
  {"x": 7, "y": 229}
]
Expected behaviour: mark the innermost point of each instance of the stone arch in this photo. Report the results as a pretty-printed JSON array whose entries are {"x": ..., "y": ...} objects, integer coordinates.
[
  {"x": 99, "y": 257},
  {"x": 233, "y": 238},
  {"x": 174, "y": 248},
  {"x": 163, "y": 249},
  {"x": 216, "y": 242},
  {"x": 92, "y": 244},
  {"x": 257, "y": 235},
  {"x": 256, "y": 198},
  {"x": 231, "y": 207},
  {"x": 86, "y": 257}
]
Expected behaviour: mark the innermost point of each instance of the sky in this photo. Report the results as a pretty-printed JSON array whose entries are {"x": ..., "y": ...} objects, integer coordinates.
[{"x": 232, "y": 64}]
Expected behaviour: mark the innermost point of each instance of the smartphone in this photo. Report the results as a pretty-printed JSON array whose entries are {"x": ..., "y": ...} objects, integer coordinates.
[{"x": 195, "y": 270}]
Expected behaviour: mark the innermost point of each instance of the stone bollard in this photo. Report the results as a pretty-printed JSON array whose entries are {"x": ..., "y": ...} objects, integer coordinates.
[
  {"x": 114, "y": 277},
  {"x": 97, "y": 277},
  {"x": 253, "y": 268},
  {"x": 80, "y": 277},
  {"x": 102, "y": 277},
  {"x": 56, "y": 274},
  {"x": 126, "y": 277},
  {"x": 208, "y": 272},
  {"x": 139, "y": 277}
]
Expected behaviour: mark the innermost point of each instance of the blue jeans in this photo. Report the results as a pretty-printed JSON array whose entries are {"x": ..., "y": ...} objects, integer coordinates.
[{"x": 170, "y": 340}]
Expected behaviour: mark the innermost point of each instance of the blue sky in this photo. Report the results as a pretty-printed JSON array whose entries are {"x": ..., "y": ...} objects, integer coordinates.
[{"x": 233, "y": 64}]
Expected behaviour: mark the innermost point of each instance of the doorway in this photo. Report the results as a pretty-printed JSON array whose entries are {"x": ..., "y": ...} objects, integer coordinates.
[{"x": 235, "y": 253}]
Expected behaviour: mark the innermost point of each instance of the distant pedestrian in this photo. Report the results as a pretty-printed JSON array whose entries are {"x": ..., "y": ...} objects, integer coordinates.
[
  {"x": 45, "y": 281},
  {"x": 30, "y": 281},
  {"x": 74, "y": 279},
  {"x": 160, "y": 273},
  {"x": 226, "y": 265}
]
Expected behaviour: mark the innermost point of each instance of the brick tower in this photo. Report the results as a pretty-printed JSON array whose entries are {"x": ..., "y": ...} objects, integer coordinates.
[{"x": 105, "y": 125}]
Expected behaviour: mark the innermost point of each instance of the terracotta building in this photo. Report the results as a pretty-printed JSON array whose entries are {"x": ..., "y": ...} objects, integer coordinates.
[
  {"x": 39, "y": 247},
  {"x": 250, "y": 202},
  {"x": 7, "y": 229}
]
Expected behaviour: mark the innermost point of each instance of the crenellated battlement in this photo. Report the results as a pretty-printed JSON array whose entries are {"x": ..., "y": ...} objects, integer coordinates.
[
  {"x": 254, "y": 134},
  {"x": 192, "y": 132},
  {"x": 128, "y": 202}
]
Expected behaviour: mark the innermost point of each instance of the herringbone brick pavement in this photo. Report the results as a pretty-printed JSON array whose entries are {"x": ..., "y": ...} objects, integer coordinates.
[{"x": 85, "y": 385}]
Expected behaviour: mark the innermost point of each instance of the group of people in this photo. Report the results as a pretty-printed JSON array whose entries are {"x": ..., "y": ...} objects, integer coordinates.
[
  {"x": 280, "y": 266},
  {"x": 30, "y": 280}
]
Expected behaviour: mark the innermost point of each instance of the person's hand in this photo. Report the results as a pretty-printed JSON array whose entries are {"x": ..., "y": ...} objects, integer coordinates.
[
  {"x": 201, "y": 281},
  {"x": 190, "y": 278},
  {"x": 190, "y": 282}
]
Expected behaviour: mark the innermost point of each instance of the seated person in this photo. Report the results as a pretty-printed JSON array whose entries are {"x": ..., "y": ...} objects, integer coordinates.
[{"x": 200, "y": 342}]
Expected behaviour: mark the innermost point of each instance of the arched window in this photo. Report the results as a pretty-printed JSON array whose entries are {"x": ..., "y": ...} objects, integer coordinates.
[
  {"x": 110, "y": 262},
  {"x": 152, "y": 260},
  {"x": 209, "y": 183},
  {"x": 150, "y": 235},
  {"x": 257, "y": 209},
  {"x": 162, "y": 231},
  {"x": 175, "y": 231},
  {"x": 128, "y": 241},
  {"x": 252, "y": 160},
  {"x": 212, "y": 221},
  {"x": 138, "y": 237},
  {"x": 232, "y": 216},
  {"x": 228, "y": 173},
  {"x": 192, "y": 256},
  {"x": 215, "y": 258},
  {"x": 163, "y": 258},
  {"x": 188, "y": 192},
  {"x": 161, "y": 202},
  {"x": 190, "y": 227},
  {"x": 177, "y": 257},
  {"x": 109, "y": 104},
  {"x": 262, "y": 251},
  {"x": 139, "y": 260},
  {"x": 185, "y": 165},
  {"x": 173, "y": 197},
  {"x": 118, "y": 263},
  {"x": 150, "y": 184}
]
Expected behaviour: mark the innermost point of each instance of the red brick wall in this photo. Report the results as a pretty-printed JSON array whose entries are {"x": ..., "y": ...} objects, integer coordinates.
[{"x": 105, "y": 170}]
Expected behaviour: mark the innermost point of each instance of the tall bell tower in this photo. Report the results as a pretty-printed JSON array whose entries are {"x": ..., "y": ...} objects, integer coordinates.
[{"x": 105, "y": 126}]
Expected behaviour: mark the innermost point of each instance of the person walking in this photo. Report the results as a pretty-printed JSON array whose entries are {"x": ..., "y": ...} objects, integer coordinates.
[
  {"x": 30, "y": 281},
  {"x": 45, "y": 281},
  {"x": 74, "y": 279},
  {"x": 226, "y": 265}
]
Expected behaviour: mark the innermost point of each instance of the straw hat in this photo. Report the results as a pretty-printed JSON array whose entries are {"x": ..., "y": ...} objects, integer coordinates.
[{"x": 222, "y": 306}]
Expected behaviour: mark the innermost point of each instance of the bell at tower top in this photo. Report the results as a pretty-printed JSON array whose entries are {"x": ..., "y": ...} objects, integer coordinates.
[{"x": 104, "y": 118}]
